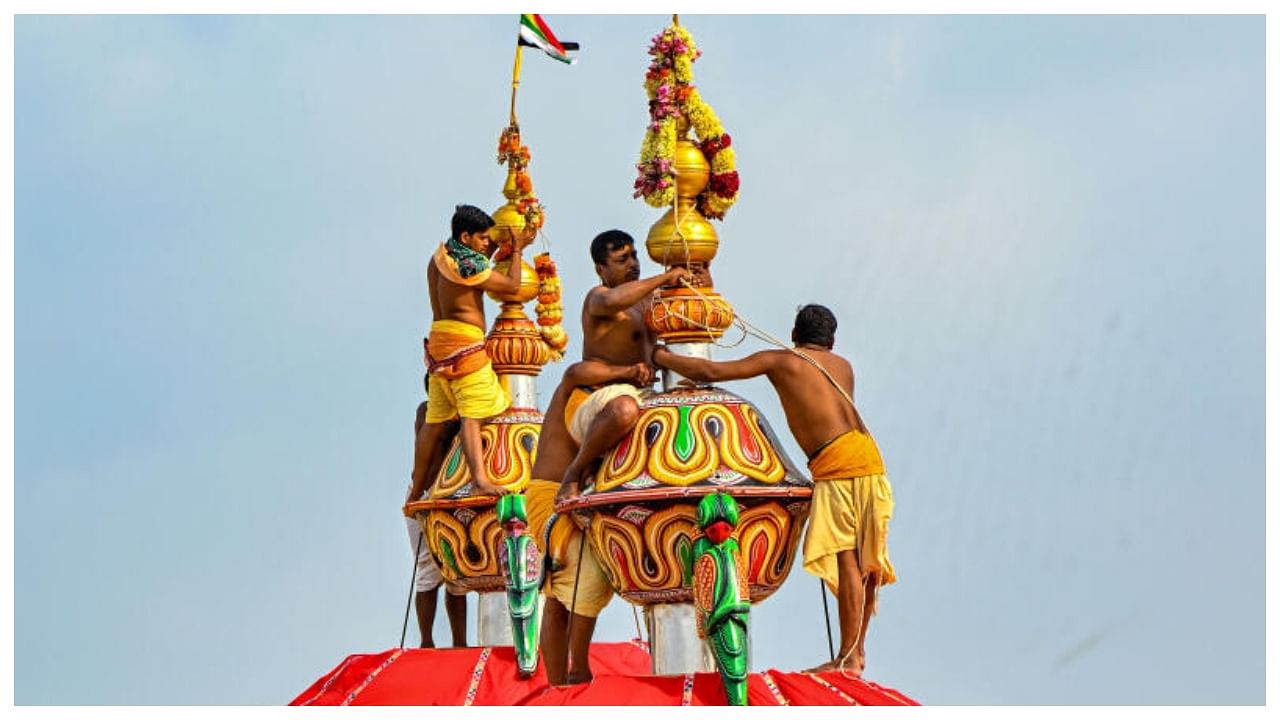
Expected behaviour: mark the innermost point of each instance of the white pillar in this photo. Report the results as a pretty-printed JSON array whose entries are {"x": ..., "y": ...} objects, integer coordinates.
[{"x": 670, "y": 378}]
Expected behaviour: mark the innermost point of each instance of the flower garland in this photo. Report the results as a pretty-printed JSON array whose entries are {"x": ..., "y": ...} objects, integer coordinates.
[
  {"x": 673, "y": 97},
  {"x": 516, "y": 154},
  {"x": 549, "y": 310}
]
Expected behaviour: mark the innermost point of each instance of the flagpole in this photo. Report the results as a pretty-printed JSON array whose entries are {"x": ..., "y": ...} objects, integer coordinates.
[{"x": 515, "y": 81}]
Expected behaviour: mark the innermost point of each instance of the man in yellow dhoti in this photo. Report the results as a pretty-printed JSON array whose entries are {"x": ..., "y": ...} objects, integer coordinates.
[
  {"x": 462, "y": 382},
  {"x": 575, "y": 595},
  {"x": 852, "y": 500}
]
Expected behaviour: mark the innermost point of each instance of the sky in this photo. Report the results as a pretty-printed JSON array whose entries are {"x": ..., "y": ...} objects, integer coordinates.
[{"x": 1043, "y": 238}]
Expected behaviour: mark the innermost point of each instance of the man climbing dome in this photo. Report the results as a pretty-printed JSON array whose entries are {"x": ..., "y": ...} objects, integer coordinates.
[{"x": 463, "y": 383}]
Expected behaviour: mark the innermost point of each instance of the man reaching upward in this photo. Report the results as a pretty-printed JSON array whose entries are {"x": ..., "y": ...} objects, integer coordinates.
[
  {"x": 852, "y": 500},
  {"x": 462, "y": 382},
  {"x": 614, "y": 333}
]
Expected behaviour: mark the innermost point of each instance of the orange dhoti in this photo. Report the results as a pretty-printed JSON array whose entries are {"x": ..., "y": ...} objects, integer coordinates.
[{"x": 851, "y": 508}]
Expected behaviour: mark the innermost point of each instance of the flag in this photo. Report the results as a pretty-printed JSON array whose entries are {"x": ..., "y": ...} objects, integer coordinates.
[{"x": 535, "y": 33}]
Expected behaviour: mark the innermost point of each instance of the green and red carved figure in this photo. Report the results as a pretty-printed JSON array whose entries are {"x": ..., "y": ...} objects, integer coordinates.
[
  {"x": 521, "y": 565},
  {"x": 720, "y": 592}
]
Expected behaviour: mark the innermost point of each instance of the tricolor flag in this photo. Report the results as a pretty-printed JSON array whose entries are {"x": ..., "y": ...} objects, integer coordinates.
[{"x": 535, "y": 33}]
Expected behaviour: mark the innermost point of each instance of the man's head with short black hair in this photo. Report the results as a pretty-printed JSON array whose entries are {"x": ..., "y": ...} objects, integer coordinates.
[
  {"x": 472, "y": 221},
  {"x": 614, "y": 253},
  {"x": 815, "y": 325},
  {"x": 606, "y": 242}
]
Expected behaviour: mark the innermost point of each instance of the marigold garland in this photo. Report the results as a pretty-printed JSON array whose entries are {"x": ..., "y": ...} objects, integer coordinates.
[
  {"x": 516, "y": 155},
  {"x": 671, "y": 97},
  {"x": 549, "y": 311}
]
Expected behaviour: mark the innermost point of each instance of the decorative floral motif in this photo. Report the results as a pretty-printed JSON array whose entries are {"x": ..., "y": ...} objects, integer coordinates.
[{"x": 672, "y": 97}]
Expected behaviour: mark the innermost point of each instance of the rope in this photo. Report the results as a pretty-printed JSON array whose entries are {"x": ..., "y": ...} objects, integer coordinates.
[
  {"x": 747, "y": 328},
  {"x": 413, "y": 574},
  {"x": 875, "y": 591},
  {"x": 750, "y": 329}
]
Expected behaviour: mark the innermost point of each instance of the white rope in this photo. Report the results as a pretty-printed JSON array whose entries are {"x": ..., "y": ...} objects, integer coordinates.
[{"x": 747, "y": 328}]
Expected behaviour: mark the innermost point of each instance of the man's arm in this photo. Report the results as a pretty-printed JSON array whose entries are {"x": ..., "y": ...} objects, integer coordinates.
[
  {"x": 701, "y": 370},
  {"x": 510, "y": 283},
  {"x": 611, "y": 301},
  {"x": 595, "y": 372}
]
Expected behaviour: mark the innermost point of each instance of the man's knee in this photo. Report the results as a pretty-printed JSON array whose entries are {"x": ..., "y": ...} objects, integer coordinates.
[{"x": 624, "y": 410}]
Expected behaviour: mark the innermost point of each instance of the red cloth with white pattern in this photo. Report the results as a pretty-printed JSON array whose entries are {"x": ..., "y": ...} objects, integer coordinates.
[{"x": 487, "y": 676}]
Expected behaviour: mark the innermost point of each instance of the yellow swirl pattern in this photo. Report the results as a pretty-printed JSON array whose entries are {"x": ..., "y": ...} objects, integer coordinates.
[
  {"x": 506, "y": 459},
  {"x": 741, "y": 448},
  {"x": 471, "y": 554},
  {"x": 623, "y": 548},
  {"x": 766, "y": 526},
  {"x": 645, "y": 563}
]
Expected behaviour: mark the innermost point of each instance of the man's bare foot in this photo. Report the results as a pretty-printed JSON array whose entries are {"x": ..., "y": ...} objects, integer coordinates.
[
  {"x": 577, "y": 678},
  {"x": 824, "y": 667},
  {"x": 487, "y": 488},
  {"x": 852, "y": 666},
  {"x": 567, "y": 492}
]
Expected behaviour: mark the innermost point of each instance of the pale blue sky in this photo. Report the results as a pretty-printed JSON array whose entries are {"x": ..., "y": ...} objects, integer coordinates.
[{"x": 1043, "y": 237}]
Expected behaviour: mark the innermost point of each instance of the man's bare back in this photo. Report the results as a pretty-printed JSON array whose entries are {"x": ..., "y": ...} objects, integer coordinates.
[
  {"x": 816, "y": 410},
  {"x": 465, "y": 303},
  {"x": 451, "y": 301}
]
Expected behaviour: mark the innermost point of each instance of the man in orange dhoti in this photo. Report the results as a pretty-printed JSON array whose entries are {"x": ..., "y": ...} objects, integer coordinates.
[
  {"x": 852, "y": 501},
  {"x": 463, "y": 384}
]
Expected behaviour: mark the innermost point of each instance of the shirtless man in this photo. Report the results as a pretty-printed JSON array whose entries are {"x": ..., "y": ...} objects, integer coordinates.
[
  {"x": 575, "y": 597},
  {"x": 852, "y": 501},
  {"x": 614, "y": 333},
  {"x": 463, "y": 383}
]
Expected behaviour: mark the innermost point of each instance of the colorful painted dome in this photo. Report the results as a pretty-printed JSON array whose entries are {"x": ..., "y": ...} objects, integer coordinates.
[{"x": 641, "y": 511}]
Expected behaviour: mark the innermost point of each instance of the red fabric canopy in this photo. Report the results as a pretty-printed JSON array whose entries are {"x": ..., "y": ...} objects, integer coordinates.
[{"x": 487, "y": 676}]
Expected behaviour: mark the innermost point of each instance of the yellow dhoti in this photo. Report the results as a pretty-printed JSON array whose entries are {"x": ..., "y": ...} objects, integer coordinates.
[
  {"x": 462, "y": 381},
  {"x": 565, "y": 545},
  {"x": 851, "y": 508}
]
